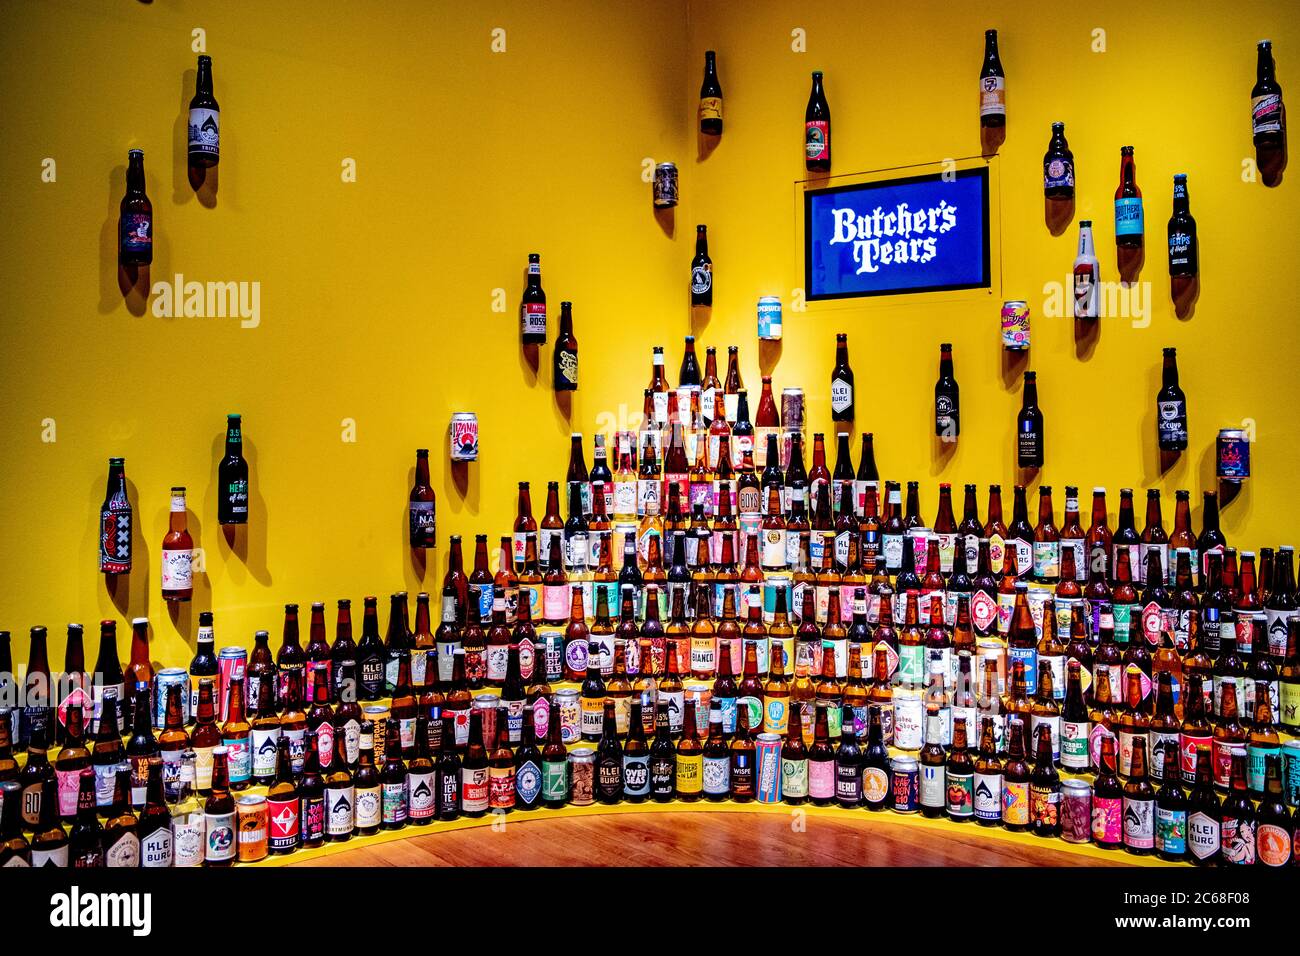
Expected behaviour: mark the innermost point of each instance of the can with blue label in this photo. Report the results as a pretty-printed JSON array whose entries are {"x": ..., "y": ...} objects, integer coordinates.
[
  {"x": 1232, "y": 455},
  {"x": 769, "y": 318},
  {"x": 907, "y": 784},
  {"x": 1291, "y": 772},
  {"x": 767, "y": 756},
  {"x": 164, "y": 680}
]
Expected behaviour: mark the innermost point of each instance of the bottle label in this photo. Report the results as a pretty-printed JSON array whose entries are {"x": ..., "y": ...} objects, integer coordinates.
[
  {"x": 218, "y": 837},
  {"x": 239, "y": 758},
  {"x": 177, "y": 570},
  {"x": 423, "y": 521},
  {"x": 136, "y": 232},
  {"x": 993, "y": 96},
  {"x": 841, "y": 395},
  {"x": 1087, "y": 293},
  {"x": 710, "y": 107},
  {"x": 532, "y": 318},
  {"x": 1015, "y": 803},
  {"x": 702, "y": 283},
  {"x": 1266, "y": 113},
  {"x": 395, "y": 802},
  {"x": 689, "y": 770},
  {"x": 1047, "y": 559},
  {"x": 1074, "y": 744},
  {"x": 1128, "y": 216},
  {"x": 1171, "y": 831},
  {"x": 821, "y": 779},
  {"x": 1202, "y": 835},
  {"x": 988, "y": 796},
  {"x": 474, "y": 789},
  {"x": 368, "y": 811},
  {"x": 817, "y": 139},
  {"x": 717, "y": 775},
  {"x": 1171, "y": 425},
  {"x": 1238, "y": 840},
  {"x": 204, "y": 132},
  {"x": 1107, "y": 820},
  {"x": 283, "y": 820},
  {"x": 1058, "y": 173},
  {"x": 156, "y": 848},
  {"x": 1272, "y": 841},
  {"x": 115, "y": 539},
  {"x": 961, "y": 794}
]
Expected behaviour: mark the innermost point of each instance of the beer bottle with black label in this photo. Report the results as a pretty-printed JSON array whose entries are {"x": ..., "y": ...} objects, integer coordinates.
[
  {"x": 135, "y": 217},
  {"x": 1182, "y": 232},
  {"x": 1058, "y": 166},
  {"x": 710, "y": 97},
  {"x": 564, "y": 375},
  {"x": 1268, "y": 119},
  {"x": 232, "y": 476}
]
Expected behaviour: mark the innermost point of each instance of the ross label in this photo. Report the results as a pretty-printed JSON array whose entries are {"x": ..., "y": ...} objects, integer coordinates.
[{"x": 532, "y": 318}]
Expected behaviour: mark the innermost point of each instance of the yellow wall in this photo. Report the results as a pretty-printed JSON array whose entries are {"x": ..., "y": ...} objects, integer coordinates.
[{"x": 377, "y": 296}]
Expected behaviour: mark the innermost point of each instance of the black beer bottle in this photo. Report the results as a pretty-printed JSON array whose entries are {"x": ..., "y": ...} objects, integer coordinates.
[
  {"x": 564, "y": 375},
  {"x": 817, "y": 129},
  {"x": 702, "y": 272},
  {"x": 1058, "y": 166},
  {"x": 1182, "y": 232},
  {"x": 532, "y": 310},
  {"x": 205, "y": 119},
  {"x": 842, "y": 381},
  {"x": 1129, "y": 223},
  {"x": 1029, "y": 427},
  {"x": 1267, "y": 119},
  {"x": 993, "y": 84},
  {"x": 710, "y": 97},
  {"x": 232, "y": 476},
  {"x": 135, "y": 220},
  {"x": 1171, "y": 407},
  {"x": 947, "y": 409},
  {"x": 115, "y": 520}
]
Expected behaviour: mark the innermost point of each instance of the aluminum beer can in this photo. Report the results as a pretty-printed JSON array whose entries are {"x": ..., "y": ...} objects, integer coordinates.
[
  {"x": 464, "y": 436},
  {"x": 252, "y": 826},
  {"x": 1291, "y": 772},
  {"x": 231, "y": 662},
  {"x": 769, "y": 318},
  {"x": 566, "y": 702},
  {"x": 1076, "y": 811},
  {"x": 907, "y": 784},
  {"x": 582, "y": 774},
  {"x": 1232, "y": 455},
  {"x": 1015, "y": 325},
  {"x": 792, "y": 409},
  {"x": 767, "y": 757},
  {"x": 550, "y": 652},
  {"x": 909, "y": 718},
  {"x": 164, "y": 680},
  {"x": 486, "y": 706},
  {"x": 665, "y": 185}
]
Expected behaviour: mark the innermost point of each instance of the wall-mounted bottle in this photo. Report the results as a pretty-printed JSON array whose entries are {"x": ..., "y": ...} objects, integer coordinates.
[
  {"x": 947, "y": 408},
  {"x": 1087, "y": 276},
  {"x": 1267, "y": 118},
  {"x": 1029, "y": 426},
  {"x": 702, "y": 272},
  {"x": 232, "y": 476},
  {"x": 1183, "y": 259},
  {"x": 135, "y": 217},
  {"x": 177, "y": 553},
  {"x": 423, "y": 505},
  {"x": 564, "y": 359},
  {"x": 205, "y": 119},
  {"x": 1128, "y": 202},
  {"x": 115, "y": 522},
  {"x": 710, "y": 97},
  {"x": 532, "y": 309},
  {"x": 1058, "y": 166},
  {"x": 817, "y": 129},
  {"x": 1171, "y": 407},
  {"x": 842, "y": 381},
  {"x": 993, "y": 84}
]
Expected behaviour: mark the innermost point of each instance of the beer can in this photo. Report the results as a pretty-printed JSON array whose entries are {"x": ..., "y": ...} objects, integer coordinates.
[
  {"x": 582, "y": 776},
  {"x": 1076, "y": 811},
  {"x": 909, "y": 718},
  {"x": 253, "y": 822},
  {"x": 907, "y": 784},
  {"x": 486, "y": 706},
  {"x": 767, "y": 768},
  {"x": 464, "y": 436},
  {"x": 1291, "y": 772},
  {"x": 1232, "y": 455},
  {"x": 990, "y": 652},
  {"x": 665, "y": 185},
  {"x": 700, "y": 691},
  {"x": 792, "y": 409},
  {"x": 769, "y": 318},
  {"x": 550, "y": 653},
  {"x": 164, "y": 680},
  {"x": 377, "y": 714},
  {"x": 920, "y": 538},
  {"x": 566, "y": 702},
  {"x": 1015, "y": 325},
  {"x": 231, "y": 662}
]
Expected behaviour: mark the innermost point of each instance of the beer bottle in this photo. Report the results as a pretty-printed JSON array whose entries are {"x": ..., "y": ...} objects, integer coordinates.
[
  {"x": 205, "y": 737},
  {"x": 1289, "y": 679},
  {"x": 817, "y": 129},
  {"x": 155, "y": 824},
  {"x": 135, "y": 216},
  {"x": 14, "y": 849},
  {"x": 1171, "y": 407},
  {"x": 1029, "y": 426},
  {"x": 1046, "y": 541},
  {"x": 988, "y": 778},
  {"x": 474, "y": 786},
  {"x": 532, "y": 309},
  {"x": 311, "y": 793},
  {"x": 139, "y": 748},
  {"x": 1267, "y": 116},
  {"x": 450, "y": 773},
  {"x": 564, "y": 356},
  {"x": 423, "y": 505},
  {"x": 710, "y": 97},
  {"x": 187, "y": 818},
  {"x": 993, "y": 84},
  {"x": 849, "y": 784},
  {"x": 1171, "y": 811},
  {"x": 877, "y": 780},
  {"x": 177, "y": 553},
  {"x": 1237, "y": 830},
  {"x": 290, "y": 658},
  {"x": 1163, "y": 727},
  {"x": 1263, "y": 741},
  {"x": 86, "y": 836},
  {"x": 1044, "y": 789},
  {"x": 204, "y": 662},
  {"x": 663, "y": 756},
  {"x": 1194, "y": 732},
  {"x": 794, "y": 761},
  {"x": 716, "y": 758},
  {"x": 205, "y": 118},
  {"x": 1087, "y": 271},
  {"x": 1045, "y": 711},
  {"x": 555, "y": 765},
  {"x": 115, "y": 522},
  {"x": 931, "y": 794},
  {"x": 1203, "y": 813},
  {"x": 421, "y": 778},
  {"x": 687, "y": 771},
  {"x": 947, "y": 408},
  {"x": 232, "y": 476},
  {"x": 367, "y": 788},
  {"x": 1133, "y": 721},
  {"x": 1273, "y": 830},
  {"x": 106, "y": 754},
  {"x": 1015, "y": 777},
  {"x": 702, "y": 275},
  {"x": 1229, "y": 736},
  {"x": 49, "y": 842},
  {"x": 219, "y": 816},
  {"x": 592, "y": 694},
  {"x": 609, "y": 759},
  {"x": 636, "y": 758},
  {"x": 261, "y": 672},
  {"x": 842, "y": 381},
  {"x": 31, "y": 780},
  {"x": 744, "y": 781},
  {"x": 340, "y": 791},
  {"x": 121, "y": 835},
  {"x": 528, "y": 765},
  {"x": 235, "y": 737},
  {"x": 959, "y": 774},
  {"x": 370, "y": 651},
  {"x": 283, "y": 803},
  {"x": 1139, "y": 803},
  {"x": 1107, "y": 800},
  {"x": 457, "y": 704},
  {"x": 1058, "y": 167},
  {"x": 347, "y": 717},
  {"x": 501, "y": 768},
  {"x": 1182, "y": 232},
  {"x": 1128, "y": 203}
]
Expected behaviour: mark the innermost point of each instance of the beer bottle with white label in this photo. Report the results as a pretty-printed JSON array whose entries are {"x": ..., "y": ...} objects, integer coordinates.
[
  {"x": 817, "y": 129},
  {"x": 205, "y": 119},
  {"x": 1087, "y": 276},
  {"x": 842, "y": 381},
  {"x": 1029, "y": 426},
  {"x": 177, "y": 553},
  {"x": 993, "y": 84},
  {"x": 532, "y": 310},
  {"x": 947, "y": 408},
  {"x": 1171, "y": 407},
  {"x": 702, "y": 277}
]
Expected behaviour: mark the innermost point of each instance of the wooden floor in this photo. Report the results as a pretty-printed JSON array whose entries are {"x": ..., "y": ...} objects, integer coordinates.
[{"x": 712, "y": 839}]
